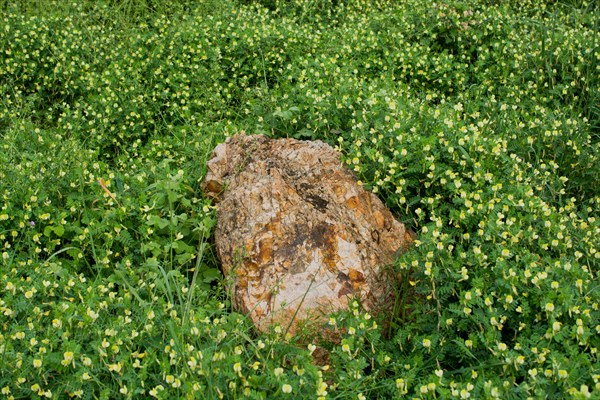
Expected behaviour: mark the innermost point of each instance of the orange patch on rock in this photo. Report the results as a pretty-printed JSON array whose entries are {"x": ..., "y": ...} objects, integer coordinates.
[
  {"x": 357, "y": 279},
  {"x": 379, "y": 219},
  {"x": 265, "y": 249}
]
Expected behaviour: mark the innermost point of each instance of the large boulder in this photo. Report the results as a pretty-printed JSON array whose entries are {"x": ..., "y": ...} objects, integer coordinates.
[{"x": 296, "y": 233}]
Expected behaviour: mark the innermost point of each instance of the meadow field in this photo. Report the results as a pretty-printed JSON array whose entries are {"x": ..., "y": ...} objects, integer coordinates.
[{"x": 477, "y": 122}]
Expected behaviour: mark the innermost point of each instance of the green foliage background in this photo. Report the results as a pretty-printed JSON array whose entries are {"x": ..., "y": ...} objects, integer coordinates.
[{"x": 477, "y": 122}]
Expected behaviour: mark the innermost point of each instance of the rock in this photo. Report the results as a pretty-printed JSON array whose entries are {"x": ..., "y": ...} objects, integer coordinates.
[{"x": 296, "y": 232}]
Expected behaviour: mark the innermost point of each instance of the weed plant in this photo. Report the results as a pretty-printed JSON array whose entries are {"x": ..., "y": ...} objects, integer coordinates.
[{"x": 477, "y": 122}]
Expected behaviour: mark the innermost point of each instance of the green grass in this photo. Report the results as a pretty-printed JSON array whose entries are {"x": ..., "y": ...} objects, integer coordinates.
[{"x": 476, "y": 122}]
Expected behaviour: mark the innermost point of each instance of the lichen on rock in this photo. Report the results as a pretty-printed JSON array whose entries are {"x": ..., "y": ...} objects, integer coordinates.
[{"x": 296, "y": 232}]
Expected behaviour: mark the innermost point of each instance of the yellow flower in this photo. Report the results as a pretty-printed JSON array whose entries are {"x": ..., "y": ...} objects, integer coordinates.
[
  {"x": 286, "y": 388},
  {"x": 520, "y": 360},
  {"x": 67, "y": 358},
  {"x": 563, "y": 374},
  {"x": 322, "y": 389},
  {"x": 115, "y": 367},
  {"x": 237, "y": 367}
]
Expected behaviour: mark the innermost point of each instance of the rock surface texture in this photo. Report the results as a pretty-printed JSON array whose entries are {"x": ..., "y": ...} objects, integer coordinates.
[{"x": 296, "y": 233}]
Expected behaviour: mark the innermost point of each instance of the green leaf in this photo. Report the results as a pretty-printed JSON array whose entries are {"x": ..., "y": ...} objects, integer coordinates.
[
  {"x": 59, "y": 230},
  {"x": 210, "y": 275},
  {"x": 155, "y": 220}
]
